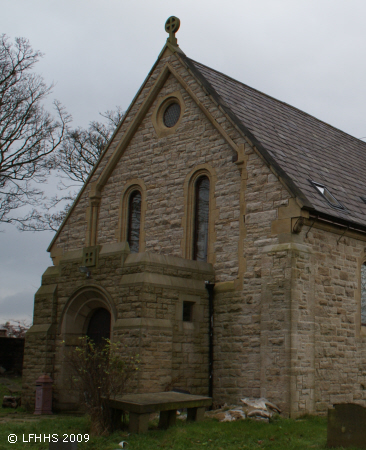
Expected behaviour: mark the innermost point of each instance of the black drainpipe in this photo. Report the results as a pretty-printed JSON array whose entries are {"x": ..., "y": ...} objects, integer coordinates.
[{"x": 210, "y": 288}]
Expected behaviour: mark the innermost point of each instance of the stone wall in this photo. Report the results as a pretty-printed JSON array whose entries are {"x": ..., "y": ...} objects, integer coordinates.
[
  {"x": 144, "y": 293},
  {"x": 287, "y": 327},
  {"x": 246, "y": 201},
  {"x": 163, "y": 165},
  {"x": 300, "y": 343},
  {"x": 287, "y": 305},
  {"x": 250, "y": 318},
  {"x": 340, "y": 341}
]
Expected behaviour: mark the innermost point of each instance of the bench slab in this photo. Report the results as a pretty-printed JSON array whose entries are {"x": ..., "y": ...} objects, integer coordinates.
[
  {"x": 140, "y": 406},
  {"x": 159, "y": 401}
]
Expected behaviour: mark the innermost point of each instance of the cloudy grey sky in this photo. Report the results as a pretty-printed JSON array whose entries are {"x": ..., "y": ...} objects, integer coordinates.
[{"x": 309, "y": 53}]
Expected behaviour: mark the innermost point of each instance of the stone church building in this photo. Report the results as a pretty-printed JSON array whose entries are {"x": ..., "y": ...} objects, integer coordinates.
[{"x": 222, "y": 234}]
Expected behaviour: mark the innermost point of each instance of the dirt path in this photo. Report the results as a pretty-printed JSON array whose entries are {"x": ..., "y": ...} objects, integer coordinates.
[{"x": 14, "y": 417}]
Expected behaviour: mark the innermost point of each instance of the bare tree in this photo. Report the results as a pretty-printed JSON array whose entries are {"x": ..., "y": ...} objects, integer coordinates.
[
  {"x": 78, "y": 153},
  {"x": 29, "y": 135},
  {"x": 82, "y": 147},
  {"x": 16, "y": 328}
]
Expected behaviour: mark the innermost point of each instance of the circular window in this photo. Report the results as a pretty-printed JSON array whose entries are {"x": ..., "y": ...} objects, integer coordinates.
[{"x": 171, "y": 115}]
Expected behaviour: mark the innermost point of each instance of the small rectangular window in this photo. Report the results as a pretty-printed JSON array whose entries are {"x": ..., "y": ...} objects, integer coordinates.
[{"x": 188, "y": 311}]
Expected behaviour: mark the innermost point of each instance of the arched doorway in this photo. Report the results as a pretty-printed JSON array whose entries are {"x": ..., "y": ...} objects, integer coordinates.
[
  {"x": 99, "y": 327},
  {"x": 85, "y": 308},
  {"x": 90, "y": 311}
]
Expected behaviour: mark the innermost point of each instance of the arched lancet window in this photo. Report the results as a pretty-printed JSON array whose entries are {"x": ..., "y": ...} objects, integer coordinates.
[
  {"x": 363, "y": 294},
  {"x": 134, "y": 219},
  {"x": 201, "y": 212},
  {"x": 99, "y": 327}
]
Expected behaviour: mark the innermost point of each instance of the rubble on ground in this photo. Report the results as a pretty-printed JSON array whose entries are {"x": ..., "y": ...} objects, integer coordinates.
[
  {"x": 10, "y": 401},
  {"x": 255, "y": 408}
]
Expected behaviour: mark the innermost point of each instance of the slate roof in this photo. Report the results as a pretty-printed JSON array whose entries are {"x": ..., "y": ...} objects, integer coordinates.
[{"x": 299, "y": 146}]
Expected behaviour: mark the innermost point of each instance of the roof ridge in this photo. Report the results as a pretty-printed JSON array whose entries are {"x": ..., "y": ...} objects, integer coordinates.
[{"x": 277, "y": 100}]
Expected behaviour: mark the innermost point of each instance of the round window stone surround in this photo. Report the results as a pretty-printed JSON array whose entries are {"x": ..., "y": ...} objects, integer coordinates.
[{"x": 168, "y": 114}]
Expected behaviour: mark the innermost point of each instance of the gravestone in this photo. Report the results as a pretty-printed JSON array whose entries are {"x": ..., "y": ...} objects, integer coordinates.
[
  {"x": 60, "y": 445},
  {"x": 346, "y": 426}
]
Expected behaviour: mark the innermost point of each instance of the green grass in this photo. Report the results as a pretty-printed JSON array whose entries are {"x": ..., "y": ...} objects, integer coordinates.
[
  {"x": 309, "y": 432},
  {"x": 13, "y": 382},
  {"x": 284, "y": 434}
]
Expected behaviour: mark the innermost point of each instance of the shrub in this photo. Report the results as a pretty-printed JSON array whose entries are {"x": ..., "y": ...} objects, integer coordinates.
[{"x": 100, "y": 373}]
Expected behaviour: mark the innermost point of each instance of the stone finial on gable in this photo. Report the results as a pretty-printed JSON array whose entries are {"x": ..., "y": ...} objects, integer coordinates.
[{"x": 172, "y": 26}]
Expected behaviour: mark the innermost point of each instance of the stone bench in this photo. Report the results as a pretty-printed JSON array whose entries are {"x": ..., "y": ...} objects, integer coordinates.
[{"x": 140, "y": 406}]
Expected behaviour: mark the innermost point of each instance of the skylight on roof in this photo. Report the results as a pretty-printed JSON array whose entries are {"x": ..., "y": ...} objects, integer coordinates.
[{"x": 327, "y": 195}]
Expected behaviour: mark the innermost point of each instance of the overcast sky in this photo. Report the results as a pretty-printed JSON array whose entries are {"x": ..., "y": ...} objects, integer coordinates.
[{"x": 309, "y": 53}]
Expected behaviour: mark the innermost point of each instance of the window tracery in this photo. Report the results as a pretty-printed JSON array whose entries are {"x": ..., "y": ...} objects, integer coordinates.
[
  {"x": 131, "y": 225},
  {"x": 134, "y": 221},
  {"x": 201, "y": 216}
]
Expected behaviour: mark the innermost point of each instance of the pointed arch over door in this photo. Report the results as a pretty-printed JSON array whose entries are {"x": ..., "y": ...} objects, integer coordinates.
[
  {"x": 81, "y": 307},
  {"x": 89, "y": 311}
]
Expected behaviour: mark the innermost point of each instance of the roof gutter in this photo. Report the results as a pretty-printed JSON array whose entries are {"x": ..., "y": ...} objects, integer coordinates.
[{"x": 344, "y": 223}]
